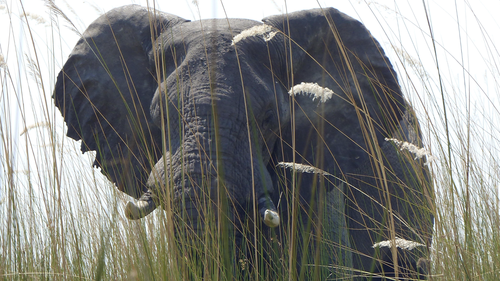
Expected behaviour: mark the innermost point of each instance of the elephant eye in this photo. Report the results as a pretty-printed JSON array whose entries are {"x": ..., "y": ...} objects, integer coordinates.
[{"x": 268, "y": 118}]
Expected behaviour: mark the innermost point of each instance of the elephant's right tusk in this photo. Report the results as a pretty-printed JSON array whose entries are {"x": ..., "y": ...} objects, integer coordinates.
[
  {"x": 271, "y": 218},
  {"x": 268, "y": 211},
  {"x": 142, "y": 209}
]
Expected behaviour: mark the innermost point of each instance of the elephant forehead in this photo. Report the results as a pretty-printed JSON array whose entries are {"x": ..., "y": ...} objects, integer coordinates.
[
  {"x": 201, "y": 38},
  {"x": 204, "y": 29},
  {"x": 200, "y": 102},
  {"x": 191, "y": 90}
]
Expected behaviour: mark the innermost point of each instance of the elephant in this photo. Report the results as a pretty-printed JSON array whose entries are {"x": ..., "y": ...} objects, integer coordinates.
[{"x": 277, "y": 128}]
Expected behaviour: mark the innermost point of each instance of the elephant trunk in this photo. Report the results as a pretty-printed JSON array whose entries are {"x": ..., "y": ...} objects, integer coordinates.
[{"x": 197, "y": 170}]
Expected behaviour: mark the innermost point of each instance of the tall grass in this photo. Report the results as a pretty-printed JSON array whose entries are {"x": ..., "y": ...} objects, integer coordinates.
[{"x": 61, "y": 219}]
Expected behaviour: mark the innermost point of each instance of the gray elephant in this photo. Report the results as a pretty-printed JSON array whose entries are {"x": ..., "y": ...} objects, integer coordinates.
[{"x": 247, "y": 126}]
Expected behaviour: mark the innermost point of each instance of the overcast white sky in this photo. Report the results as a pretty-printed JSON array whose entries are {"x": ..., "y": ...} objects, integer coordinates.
[{"x": 466, "y": 41}]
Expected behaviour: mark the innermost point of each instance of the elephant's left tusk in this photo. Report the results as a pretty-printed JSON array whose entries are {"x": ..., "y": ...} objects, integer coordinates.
[
  {"x": 268, "y": 211},
  {"x": 271, "y": 218},
  {"x": 139, "y": 210}
]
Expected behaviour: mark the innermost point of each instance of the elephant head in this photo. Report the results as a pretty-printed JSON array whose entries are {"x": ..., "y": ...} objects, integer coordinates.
[{"x": 186, "y": 115}]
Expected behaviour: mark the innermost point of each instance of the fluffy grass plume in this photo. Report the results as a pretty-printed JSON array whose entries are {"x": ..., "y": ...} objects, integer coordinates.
[
  {"x": 315, "y": 91},
  {"x": 301, "y": 168},
  {"x": 400, "y": 243},
  {"x": 265, "y": 30},
  {"x": 3, "y": 64},
  {"x": 420, "y": 152}
]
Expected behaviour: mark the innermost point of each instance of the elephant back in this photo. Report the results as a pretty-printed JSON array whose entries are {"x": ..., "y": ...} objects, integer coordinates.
[{"x": 104, "y": 91}]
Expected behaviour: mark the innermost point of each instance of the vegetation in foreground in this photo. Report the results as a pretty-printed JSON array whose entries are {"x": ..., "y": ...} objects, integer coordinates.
[{"x": 62, "y": 220}]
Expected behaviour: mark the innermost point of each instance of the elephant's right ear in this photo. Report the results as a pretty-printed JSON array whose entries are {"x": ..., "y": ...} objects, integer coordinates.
[
  {"x": 335, "y": 56},
  {"x": 337, "y": 52},
  {"x": 105, "y": 89}
]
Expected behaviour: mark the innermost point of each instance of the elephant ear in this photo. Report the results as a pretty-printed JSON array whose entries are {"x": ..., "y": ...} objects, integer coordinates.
[
  {"x": 104, "y": 91},
  {"x": 350, "y": 96}
]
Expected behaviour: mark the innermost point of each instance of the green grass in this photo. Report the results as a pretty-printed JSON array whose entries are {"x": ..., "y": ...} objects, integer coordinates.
[{"x": 60, "y": 219}]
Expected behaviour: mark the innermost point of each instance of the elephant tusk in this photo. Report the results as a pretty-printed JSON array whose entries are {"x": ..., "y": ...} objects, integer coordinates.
[
  {"x": 139, "y": 210},
  {"x": 271, "y": 218},
  {"x": 268, "y": 211}
]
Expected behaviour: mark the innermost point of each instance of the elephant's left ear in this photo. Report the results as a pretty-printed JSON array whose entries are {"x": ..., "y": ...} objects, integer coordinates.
[
  {"x": 337, "y": 52},
  {"x": 105, "y": 88}
]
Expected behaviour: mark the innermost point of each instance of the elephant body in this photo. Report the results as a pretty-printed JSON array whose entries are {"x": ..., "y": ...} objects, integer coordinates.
[{"x": 197, "y": 117}]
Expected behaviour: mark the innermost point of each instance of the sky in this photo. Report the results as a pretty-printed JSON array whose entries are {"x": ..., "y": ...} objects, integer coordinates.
[{"x": 465, "y": 36}]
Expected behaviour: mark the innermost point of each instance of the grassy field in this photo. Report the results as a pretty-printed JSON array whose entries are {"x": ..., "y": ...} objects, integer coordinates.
[{"x": 60, "y": 219}]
